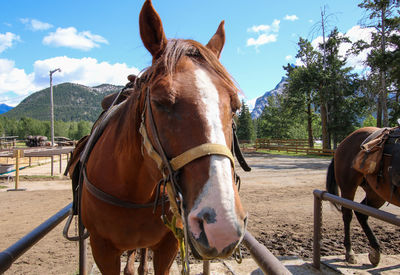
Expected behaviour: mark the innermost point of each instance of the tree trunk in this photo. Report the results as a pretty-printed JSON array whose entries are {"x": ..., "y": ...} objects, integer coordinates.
[
  {"x": 384, "y": 102},
  {"x": 382, "y": 72},
  {"x": 309, "y": 126},
  {"x": 379, "y": 111},
  {"x": 324, "y": 124}
]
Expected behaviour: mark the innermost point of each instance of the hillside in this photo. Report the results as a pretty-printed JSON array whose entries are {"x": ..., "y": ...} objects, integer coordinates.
[
  {"x": 72, "y": 102},
  {"x": 4, "y": 108}
]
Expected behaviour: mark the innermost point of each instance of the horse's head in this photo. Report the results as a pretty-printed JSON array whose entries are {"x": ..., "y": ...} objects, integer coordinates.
[{"x": 192, "y": 100}]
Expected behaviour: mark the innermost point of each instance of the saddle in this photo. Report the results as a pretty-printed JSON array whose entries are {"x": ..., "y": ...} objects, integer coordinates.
[{"x": 369, "y": 158}]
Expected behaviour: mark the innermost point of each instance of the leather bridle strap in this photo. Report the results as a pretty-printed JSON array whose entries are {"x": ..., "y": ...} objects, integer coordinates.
[
  {"x": 181, "y": 160},
  {"x": 110, "y": 199},
  {"x": 205, "y": 149}
]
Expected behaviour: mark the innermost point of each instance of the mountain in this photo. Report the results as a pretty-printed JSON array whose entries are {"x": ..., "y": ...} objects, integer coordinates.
[
  {"x": 72, "y": 102},
  {"x": 262, "y": 101},
  {"x": 4, "y": 108}
]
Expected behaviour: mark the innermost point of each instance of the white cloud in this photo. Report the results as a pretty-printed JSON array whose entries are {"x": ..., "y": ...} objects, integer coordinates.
[
  {"x": 274, "y": 27},
  {"x": 354, "y": 34},
  {"x": 288, "y": 57},
  {"x": 298, "y": 62},
  {"x": 71, "y": 38},
  {"x": 86, "y": 71},
  {"x": 13, "y": 79},
  {"x": 291, "y": 17},
  {"x": 7, "y": 39},
  {"x": 261, "y": 40},
  {"x": 35, "y": 24},
  {"x": 266, "y": 34},
  {"x": 316, "y": 42}
]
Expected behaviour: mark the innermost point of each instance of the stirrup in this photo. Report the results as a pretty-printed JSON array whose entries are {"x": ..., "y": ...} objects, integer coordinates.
[{"x": 66, "y": 230}]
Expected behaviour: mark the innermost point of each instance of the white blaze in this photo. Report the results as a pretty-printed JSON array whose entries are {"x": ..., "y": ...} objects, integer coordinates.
[{"x": 218, "y": 192}]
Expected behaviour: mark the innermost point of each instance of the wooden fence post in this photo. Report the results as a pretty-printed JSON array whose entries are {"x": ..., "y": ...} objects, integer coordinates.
[
  {"x": 17, "y": 155},
  {"x": 60, "y": 163},
  {"x": 52, "y": 165}
]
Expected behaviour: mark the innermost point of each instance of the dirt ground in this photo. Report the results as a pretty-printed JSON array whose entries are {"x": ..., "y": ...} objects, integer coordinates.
[{"x": 277, "y": 195}]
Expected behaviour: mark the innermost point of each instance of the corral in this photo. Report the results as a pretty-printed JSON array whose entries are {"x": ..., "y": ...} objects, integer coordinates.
[{"x": 278, "y": 194}]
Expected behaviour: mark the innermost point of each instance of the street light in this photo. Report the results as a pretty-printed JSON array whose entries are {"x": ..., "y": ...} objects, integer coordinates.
[{"x": 52, "y": 105}]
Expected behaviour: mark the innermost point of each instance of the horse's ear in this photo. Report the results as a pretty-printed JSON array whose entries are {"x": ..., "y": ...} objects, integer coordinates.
[
  {"x": 151, "y": 30},
  {"x": 217, "y": 42}
]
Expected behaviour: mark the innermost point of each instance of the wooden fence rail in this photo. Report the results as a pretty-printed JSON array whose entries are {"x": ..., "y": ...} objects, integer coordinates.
[{"x": 291, "y": 146}]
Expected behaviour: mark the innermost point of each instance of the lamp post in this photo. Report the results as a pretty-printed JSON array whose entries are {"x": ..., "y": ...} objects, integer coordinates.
[{"x": 52, "y": 105}]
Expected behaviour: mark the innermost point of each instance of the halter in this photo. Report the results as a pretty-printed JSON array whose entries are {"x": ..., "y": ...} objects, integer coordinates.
[{"x": 169, "y": 169}]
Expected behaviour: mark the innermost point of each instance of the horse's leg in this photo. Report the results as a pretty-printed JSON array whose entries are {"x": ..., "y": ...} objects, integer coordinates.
[
  {"x": 130, "y": 263},
  {"x": 348, "y": 192},
  {"x": 348, "y": 182},
  {"x": 106, "y": 256},
  {"x": 373, "y": 200},
  {"x": 164, "y": 254},
  {"x": 142, "y": 269},
  {"x": 347, "y": 215}
]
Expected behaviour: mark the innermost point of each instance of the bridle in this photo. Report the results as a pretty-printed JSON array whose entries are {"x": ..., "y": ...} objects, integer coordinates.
[{"x": 169, "y": 168}]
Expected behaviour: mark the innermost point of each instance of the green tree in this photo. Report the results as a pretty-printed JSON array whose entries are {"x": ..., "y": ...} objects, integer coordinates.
[
  {"x": 83, "y": 129},
  {"x": 302, "y": 85},
  {"x": 61, "y": 128},
  {"x": 341, "y": 90},
  {"x": 275, "y": 120},
  {"x": 369, "y": 121},
  {"x": 245, "y": 128},
  {"x": 381, "y": 17}
]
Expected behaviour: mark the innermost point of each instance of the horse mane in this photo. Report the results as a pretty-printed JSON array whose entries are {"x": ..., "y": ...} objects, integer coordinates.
[
  {"x": 178, "y": 48},
  {"x": 166, "y": 65}
]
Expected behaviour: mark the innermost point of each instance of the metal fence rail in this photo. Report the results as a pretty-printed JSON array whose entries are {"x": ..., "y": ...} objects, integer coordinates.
[
  {"x": 11, "y": 254},
  {"x": 263, "y": 257},
  {"x": 268, "y": 263},
  {"x": 367, "y": 210}
]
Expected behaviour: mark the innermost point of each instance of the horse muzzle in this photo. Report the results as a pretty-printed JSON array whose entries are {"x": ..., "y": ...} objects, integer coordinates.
[{"x": 210, "y": 239}]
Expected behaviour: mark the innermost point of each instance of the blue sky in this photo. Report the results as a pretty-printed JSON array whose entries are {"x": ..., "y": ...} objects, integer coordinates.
[{"x": 95, "y": 42}]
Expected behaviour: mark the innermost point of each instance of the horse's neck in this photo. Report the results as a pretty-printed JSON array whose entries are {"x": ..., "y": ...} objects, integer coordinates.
[{"x": 128, "y": 148}]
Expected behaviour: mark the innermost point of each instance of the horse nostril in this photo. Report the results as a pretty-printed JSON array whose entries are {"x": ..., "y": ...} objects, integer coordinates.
[
  {"x": 201, "y": 225},
  {"x": 207, "y": 215}
]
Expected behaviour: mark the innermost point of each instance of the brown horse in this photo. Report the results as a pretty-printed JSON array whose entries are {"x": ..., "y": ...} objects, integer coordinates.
[
  {"x": 379, "y": 187},
  {"x": 175, "y": 125}
]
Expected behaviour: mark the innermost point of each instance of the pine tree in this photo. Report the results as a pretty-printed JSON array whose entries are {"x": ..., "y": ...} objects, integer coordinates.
[
  {"x": 245, "y": 128},
  {"x": 381, "y": 18},
  {"x": 302, "y": 85}
]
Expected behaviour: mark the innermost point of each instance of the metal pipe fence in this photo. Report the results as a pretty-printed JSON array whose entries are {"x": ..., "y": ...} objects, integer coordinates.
[
  {"x": 268, "y": 263},
  {"x": 12, "y": 253},
  {"x": 367, "y": 210}
]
